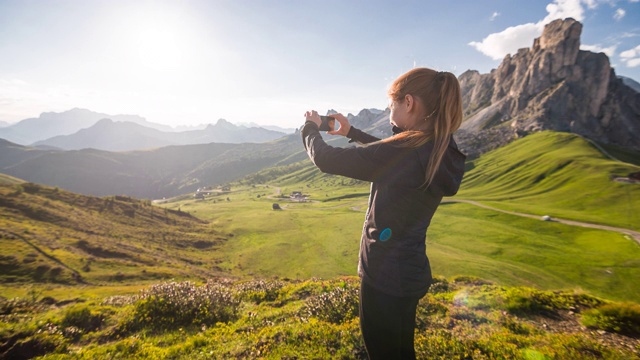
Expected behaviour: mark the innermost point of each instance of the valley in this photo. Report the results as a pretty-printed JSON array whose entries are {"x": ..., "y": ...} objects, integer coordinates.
[
  {"x": 93, "y": 258},
  {"x": 237, "y": 233}
]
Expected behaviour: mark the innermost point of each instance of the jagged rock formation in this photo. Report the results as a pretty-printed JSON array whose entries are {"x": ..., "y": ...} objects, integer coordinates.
[{"x": 551, "y": 86}]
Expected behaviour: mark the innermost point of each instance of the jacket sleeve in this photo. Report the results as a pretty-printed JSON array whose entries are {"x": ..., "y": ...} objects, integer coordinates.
[
  {"x": 360, "y": 136},
  {"x": 355, "y": 162}
]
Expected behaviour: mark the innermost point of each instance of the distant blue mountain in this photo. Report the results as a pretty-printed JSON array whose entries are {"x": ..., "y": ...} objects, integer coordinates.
[
  {"x": 630, "y": 83},
  {"x": 111, "y": 135},
  {"x": 51, "y": 124}
]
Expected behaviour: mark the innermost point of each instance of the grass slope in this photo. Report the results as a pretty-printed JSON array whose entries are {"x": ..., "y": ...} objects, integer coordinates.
[
  {"x": 313, "y": 319},
  {"x": 557, "y": 174},
  {"x": 52, "y": 236},
  {"x": 9, "y": 180},
  {"x": 58, "y": 241}
]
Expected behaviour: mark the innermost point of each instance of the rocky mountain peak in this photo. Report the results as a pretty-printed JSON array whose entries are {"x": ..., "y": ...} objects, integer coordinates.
[
  {"x": 222, "y": 124},
  {"x": 563, "y": 35},
  {"x": 552, "y": 86}
]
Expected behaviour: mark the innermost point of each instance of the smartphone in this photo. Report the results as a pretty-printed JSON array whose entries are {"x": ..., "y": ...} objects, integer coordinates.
[{"x": 328, "y": 123}]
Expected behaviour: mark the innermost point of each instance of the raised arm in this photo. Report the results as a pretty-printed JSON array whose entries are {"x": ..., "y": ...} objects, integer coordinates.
[
  {"x": 362, "y": 163},
  {"x": 360, "y": 136}
]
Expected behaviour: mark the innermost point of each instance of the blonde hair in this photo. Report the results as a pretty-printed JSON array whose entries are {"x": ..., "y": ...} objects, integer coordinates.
[{"x": 439, "y": 94}]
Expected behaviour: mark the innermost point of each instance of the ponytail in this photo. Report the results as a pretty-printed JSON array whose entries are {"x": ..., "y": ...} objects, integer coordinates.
[{"x": 440, "y": 95}]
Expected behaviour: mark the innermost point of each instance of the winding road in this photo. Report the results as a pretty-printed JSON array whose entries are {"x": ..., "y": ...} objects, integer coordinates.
[{"x": 633, "y": 234}]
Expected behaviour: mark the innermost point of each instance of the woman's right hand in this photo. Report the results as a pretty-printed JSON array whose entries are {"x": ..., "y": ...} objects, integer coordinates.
[{"x": 344, "y": 125}]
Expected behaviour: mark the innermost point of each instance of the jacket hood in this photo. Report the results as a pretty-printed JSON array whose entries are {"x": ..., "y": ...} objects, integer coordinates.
[{"x": 449, "y": 176}]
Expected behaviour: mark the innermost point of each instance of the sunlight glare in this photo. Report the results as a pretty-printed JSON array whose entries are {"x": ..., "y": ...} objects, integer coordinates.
[
  {"x": 158, "y": 39},
  {"x": 159, "y": 47}
]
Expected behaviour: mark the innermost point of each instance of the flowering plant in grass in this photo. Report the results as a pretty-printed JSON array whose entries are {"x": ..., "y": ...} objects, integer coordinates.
[{"x": 173, "y": 304}]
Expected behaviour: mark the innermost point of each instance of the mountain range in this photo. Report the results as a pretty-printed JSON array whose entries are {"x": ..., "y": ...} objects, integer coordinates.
[
  {"x": 51, "y": 124},
  {"x": 80, "y": 128},
  {"x": 150, "y": 174},
  {"x": 551, "y": 86},
  {"x": 110, "y": 135}
]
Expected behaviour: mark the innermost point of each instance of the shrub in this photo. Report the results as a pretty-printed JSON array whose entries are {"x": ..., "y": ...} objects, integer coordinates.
[
  {"x": 439, "y": 285},
  {"x": 259, "y": 290},
  {"x": 623, "y": 318},
  {"x": 170, "y": 305},
  {"x": 335, "y": 306},
  {"x": 470, "y": 280},
  {"x": 15, "y": 305},
  {"x": 82, "y": 318},
  {"x": 525, "y": 301},
  {"x": 429, "y": 305}
]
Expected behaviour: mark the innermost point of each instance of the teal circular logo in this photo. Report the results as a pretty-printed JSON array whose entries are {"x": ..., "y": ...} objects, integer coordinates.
[{"x": 385, "y": 234}]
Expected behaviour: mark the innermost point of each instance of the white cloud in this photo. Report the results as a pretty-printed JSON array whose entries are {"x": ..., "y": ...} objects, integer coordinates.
[
  {"x": 561, "y": 9},
  {"x": 597, "y": 48},
  {"x": 509, "y": 40},
  {"x": 619, "y": 14},
  {"x": 631, "y": 53},
  {"x": 494, "y": 16},
  {"x": 592, "y": 4},
  {"x": 631, "y": 57}
]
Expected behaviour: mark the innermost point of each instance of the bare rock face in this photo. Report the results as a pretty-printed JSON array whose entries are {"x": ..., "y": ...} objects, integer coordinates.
[{"x": 553, "y": 86}]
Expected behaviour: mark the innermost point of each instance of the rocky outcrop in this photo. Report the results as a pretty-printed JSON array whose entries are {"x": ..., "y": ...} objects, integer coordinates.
[{"x": 553, "y": 86}]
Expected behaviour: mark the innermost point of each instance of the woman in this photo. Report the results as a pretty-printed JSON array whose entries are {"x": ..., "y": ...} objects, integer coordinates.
[{"x": 409, "y": 172}]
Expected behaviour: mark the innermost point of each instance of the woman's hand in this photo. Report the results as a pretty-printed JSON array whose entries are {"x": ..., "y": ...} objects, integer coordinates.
[
  {"x": 313, "y": 116},
  {"x": 344, "y": 125}
]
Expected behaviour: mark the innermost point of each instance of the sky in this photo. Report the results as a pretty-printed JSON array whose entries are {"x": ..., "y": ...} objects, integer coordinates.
[{"x": 188, "y": 62}]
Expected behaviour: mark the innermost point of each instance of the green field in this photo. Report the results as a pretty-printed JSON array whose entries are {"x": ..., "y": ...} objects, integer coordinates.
[
  {"x": 539, "y": 174},
  {"x": 322, "y": 239},
  {"x": 64, "y": 247},
  {"x": 243, "y": 237}
]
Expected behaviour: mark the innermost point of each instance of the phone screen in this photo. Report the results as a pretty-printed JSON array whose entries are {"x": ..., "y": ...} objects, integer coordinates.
[{"x": 329, "y": 123}]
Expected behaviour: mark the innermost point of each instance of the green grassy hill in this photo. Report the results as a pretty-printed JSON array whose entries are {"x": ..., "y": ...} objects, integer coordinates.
[
  {"x": 542, "y": 282},
  {"x": 556, "y": 174},
  {"x": 50, "y": 236},
  {"x": 244, "y": 237}
]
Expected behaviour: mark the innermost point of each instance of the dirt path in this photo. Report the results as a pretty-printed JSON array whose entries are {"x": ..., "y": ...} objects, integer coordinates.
[{"x": 634, "y": 234}]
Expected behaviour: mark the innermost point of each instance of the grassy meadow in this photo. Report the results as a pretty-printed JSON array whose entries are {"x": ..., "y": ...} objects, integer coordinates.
[
  {"x": 539, "y": 174},
  {"x": 464, "y": 318},
  {"x": 77, "y": 270}
]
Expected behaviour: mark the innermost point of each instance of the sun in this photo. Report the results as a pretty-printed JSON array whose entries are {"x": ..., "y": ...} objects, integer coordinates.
[
  {"x": 156, "y": 38},
  {"x": 159, "y": 46}
]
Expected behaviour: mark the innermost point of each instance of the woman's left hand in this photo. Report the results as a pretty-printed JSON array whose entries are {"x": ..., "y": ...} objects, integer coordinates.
[{"x": 313, "y": 115}]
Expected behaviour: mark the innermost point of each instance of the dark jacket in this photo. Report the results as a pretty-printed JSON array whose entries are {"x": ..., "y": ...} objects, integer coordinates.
[{"x": 392, "y": 249}]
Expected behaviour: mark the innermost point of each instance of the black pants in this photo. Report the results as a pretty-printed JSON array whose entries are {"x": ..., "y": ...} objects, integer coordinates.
[{"x": 387, "y": 323}]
